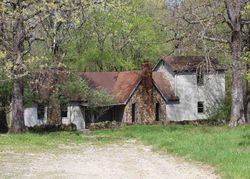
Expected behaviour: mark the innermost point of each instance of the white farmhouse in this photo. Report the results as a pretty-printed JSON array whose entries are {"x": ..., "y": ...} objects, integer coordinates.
[
  {"x": 179, "y": 88},
  {"x": 199, "y": 84}
]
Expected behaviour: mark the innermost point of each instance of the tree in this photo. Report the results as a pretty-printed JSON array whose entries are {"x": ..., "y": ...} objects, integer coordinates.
[
  {"x": 57, "y": 20},
  {"x": 118, "y": 35},
  {"x": 245, "y": 13},
  {"x": 5, "y": 98},
  {"x": 217, "y": 25},
  {"x": 19, "y": 29},
  {"x": 15, "y": 33}
]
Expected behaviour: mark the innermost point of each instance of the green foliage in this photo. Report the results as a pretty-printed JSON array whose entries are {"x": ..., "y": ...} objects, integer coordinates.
[
  {"x": 75, "y": 88},
  {"x": 246, "y": 58},
  {"x": 100, "y": 98},
  {"x": 221, "y": 115},
  {"x": 246, "y": 10},
  {"x": 117, "y": 36},
  {"x": 5, "y": 93}
]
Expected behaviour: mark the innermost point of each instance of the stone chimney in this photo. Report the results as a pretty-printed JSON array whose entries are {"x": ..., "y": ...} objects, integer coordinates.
[
  {"x": 146, "y": 73},
  {"x": 147, "y": 92}
]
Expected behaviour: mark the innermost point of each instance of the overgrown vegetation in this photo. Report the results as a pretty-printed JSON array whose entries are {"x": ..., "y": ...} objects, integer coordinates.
[{"x": 226, "y": 149}]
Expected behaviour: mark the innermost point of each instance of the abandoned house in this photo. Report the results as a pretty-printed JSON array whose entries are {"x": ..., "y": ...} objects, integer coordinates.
[{"x": 177, "y": 89}]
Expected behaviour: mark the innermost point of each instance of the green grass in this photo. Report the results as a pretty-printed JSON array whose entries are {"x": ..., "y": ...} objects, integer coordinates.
[
  {"x": 36, "y": 142},
  {"x": 226, "y": 149}
]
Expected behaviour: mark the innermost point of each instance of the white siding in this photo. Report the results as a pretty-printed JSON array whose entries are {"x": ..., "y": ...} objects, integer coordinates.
[
  {"x": 75, "y": 115},
  {"x": 31, "y": 117},
  {"x": 211, "y": 93}
]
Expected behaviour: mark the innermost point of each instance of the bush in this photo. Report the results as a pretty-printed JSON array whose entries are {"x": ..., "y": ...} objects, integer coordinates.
[
  {"x": 221, "y": 115},
  {"x": 52, "y": 128}
]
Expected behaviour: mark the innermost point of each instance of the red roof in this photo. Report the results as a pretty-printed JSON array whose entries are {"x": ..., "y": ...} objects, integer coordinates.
[
  {"x": 164, "y": 86},
  {"x": 119, "y": 84},
  {"x": 191, "y": 63}
]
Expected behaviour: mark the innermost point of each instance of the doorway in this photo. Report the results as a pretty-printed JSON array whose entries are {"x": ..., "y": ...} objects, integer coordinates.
[
  {"x": 157, "y": 112},
  {"x": 133, "y": 112}
]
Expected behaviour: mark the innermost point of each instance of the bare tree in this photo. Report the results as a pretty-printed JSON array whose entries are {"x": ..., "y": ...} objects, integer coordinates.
[{"x": 216, "y": 26}]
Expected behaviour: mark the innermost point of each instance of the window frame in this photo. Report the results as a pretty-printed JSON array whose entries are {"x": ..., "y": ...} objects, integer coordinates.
[
  {"x": 200, "y": 78},
  {"x": 64, "y": 110},
  {"x": 200, "y": 107},
  {"x": 40, "y": 111}
]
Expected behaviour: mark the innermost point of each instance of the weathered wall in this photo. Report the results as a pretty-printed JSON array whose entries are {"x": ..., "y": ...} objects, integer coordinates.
[
  {"x": 75, "y": 115},
  {"x": 31, "y": 117},
  {"x": 211, "y": 93},
  {"x": 189, "y": 93},
  {"x": 142, "y": 115}
]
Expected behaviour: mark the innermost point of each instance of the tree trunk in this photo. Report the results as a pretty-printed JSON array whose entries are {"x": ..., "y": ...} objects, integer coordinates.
[
  {"x": 54, "y": 112},
  {"x": 3, "y": 122},
  {"x": 237, "y": 110},
  {"x": 17, "y": 119},
  {"x": 248, "y": 83}
]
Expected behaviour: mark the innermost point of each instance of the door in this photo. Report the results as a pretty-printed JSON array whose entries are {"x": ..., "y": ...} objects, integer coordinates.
[
  {"x": 157, "y": 112},
  {"x": 133, "y": 113}
]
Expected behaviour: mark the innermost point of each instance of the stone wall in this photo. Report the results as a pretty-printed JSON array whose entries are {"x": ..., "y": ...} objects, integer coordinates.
[
  {"x": 144, "y": 112},
  {"x": 162, "y": 111}
]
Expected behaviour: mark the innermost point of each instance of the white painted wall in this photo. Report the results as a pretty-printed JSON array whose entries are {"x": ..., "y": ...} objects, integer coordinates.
[
  {"x": 211, "y": 93},
  {"x": 75, "y": 115},
  {"x": 31, "y": 117}
]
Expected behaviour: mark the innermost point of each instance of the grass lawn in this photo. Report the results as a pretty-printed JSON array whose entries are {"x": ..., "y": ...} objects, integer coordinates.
[{"x": 226, "y": 149}]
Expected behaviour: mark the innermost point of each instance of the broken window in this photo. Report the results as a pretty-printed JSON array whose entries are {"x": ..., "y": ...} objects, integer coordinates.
[
  {"x": 40, "y": 111},
  {"x": 200, "y": 78},
  {"x": 64, "y": 110},
  {"x": 200, "y": 107}
]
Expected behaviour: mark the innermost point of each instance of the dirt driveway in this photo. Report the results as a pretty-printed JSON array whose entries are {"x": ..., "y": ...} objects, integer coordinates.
[{"x": 130, "y": 160}]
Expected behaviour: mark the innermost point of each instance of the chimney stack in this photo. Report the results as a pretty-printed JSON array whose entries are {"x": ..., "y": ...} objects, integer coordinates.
[{"x": 146, "y": 73}]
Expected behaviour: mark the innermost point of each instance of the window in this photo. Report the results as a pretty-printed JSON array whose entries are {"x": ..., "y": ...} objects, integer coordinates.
[
  {"x": 64, "y": 110},
  {"x": 40, "y": 111},
  {"x": 200, "y": 107},
  {"x": 200, "y": 78}
]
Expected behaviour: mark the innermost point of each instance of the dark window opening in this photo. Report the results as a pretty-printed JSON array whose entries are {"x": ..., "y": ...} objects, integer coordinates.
[
  {"x": 133, "y": 113},
  {"x": 200, "y": 107},
  {"x": 40, "y": 111},
  {"x": 200, "y": 78},
  {"x": 157, "y": 112},
  {"x": 64, "y": 110}
]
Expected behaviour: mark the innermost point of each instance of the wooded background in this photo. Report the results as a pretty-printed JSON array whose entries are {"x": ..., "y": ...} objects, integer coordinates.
[{"x": 63, "y": 37}]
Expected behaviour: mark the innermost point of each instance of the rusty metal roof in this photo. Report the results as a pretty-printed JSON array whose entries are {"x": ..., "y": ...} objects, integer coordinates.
[
  {"x": 191, "y": 63},
  {"x": 119, "y": 84},
  {"x": 164, "y": 87}
]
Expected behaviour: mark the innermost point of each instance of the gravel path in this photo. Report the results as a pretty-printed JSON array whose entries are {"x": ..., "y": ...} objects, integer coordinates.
[{"x": 130, "y": 160}]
